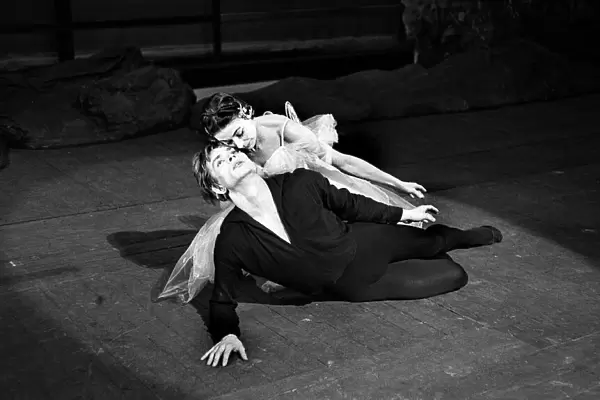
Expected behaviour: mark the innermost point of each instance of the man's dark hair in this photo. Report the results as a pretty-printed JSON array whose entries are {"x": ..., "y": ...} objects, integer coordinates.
[{"x": 205, "y": 180}]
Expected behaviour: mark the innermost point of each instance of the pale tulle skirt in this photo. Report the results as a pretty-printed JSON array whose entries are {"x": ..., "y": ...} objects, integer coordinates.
[{"x": 195, "y": 267}]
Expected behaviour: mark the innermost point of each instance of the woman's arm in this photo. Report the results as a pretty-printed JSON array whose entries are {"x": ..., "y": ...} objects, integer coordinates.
[
  {"x": 354, "y": 207},
  {"x": 298, "y": 133},
  {"x": 362, "y": 169},
  {"x": 358, "y": 167}
]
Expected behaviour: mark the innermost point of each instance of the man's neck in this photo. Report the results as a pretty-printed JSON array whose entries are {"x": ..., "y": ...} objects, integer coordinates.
[{"x": 251, "y": 195}]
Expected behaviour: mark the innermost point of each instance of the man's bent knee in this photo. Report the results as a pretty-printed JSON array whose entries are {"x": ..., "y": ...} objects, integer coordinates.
[{"x": 457, "y": 276}]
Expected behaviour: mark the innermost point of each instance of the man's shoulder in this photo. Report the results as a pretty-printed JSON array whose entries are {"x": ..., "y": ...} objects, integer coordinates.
[
  {"x": 298, "y": 176},
  {"x": 303, "y": 175},
  {"x": 304, "y": 180},
  {"x": 230, "y": 228}
]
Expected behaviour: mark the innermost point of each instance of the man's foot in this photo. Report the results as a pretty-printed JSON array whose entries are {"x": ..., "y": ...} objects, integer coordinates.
[
  {"x": 480, "y": 236},
  {"x": 466, "y": 239},
  {"x": 496, "y": 234}
]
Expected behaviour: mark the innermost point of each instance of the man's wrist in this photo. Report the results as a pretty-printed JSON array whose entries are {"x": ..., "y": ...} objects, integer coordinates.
[
  {"x": 406, "y": 215},
  {"x": 229, "y": 336}
]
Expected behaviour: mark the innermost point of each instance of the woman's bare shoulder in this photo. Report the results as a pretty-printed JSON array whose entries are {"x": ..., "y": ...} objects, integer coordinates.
[{"x": 271, "y": 120}]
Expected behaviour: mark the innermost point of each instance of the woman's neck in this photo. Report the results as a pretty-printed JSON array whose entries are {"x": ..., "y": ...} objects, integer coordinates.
[{"x": 268, "y": 139}]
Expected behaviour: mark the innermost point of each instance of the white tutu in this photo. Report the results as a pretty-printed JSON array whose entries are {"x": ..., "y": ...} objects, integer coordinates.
[{"x": 196, "y": 266}]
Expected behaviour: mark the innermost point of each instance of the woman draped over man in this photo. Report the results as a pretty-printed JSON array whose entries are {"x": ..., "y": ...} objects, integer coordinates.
[{"x": 278, "y": 144}]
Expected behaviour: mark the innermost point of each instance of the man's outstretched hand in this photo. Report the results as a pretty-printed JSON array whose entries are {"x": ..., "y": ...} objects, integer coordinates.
[
  {"x": 224, "y": 348},
  {"x": 418, "y": 214}
]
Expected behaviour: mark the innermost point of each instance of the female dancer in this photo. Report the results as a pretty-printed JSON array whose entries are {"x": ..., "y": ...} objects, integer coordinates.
[{"x": 278, "y": 144}]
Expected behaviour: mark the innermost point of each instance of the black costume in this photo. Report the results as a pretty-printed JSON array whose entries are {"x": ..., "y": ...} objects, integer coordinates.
[{"x": 351, "y": 259}]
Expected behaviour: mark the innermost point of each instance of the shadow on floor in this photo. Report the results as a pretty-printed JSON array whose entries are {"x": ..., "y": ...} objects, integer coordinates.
[
  {"x": 41, "y": 358},
  {"x": 161, "y": 250}
]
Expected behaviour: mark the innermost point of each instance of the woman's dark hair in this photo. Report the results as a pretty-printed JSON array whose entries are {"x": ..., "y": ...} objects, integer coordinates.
[
  {"x": 222, "y": 108},
  {"x": 205, "y": 180}
]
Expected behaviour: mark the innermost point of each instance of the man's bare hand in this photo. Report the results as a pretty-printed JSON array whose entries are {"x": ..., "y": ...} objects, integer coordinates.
[
  {"x": 418, "y": 214},
  {"x": 224, "y": 348}
]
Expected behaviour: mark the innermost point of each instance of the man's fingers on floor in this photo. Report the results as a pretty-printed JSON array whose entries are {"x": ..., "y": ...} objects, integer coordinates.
[
  {"x": 243, "y": 353},
  {"x": 218, "y": 356},
  {"x": 226, "y": 356},
  {"x": 208, "y": 353}
]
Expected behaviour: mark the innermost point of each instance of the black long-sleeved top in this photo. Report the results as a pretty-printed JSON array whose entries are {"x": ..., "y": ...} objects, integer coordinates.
[{"x": 313, "y": 213}]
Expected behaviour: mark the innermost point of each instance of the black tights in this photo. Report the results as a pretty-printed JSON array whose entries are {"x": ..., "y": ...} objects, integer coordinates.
[{"x": 397, "y": 262}]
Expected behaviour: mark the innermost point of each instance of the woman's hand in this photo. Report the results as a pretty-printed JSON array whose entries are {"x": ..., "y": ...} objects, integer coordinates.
[
  {"x": 228, "y": 344},
  {"x": 418, "y": 214},
  {"x": 413, "y": 189}
]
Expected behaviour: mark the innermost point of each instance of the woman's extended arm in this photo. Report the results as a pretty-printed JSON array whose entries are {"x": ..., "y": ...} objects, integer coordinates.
[
  {"x": 295, "y": 132},
  {"x": 358, "y": 167}
]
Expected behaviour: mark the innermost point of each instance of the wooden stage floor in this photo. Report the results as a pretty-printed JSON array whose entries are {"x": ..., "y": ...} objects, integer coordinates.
[{"x": 84, "y": 233}]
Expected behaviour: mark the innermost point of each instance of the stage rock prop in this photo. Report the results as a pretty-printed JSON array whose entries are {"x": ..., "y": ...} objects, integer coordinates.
[
  {"x": 110, "y": 96},
  {"x": 515, "y": 72},
  {"x": 140, "y": 102}
]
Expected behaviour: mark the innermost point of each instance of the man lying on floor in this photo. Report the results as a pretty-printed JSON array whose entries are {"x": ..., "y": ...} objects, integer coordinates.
[{"x": 299, "y": 231}]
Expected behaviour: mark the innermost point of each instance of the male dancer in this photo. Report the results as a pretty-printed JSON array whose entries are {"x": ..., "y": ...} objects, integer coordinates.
[{"x": 299, "y": 231}]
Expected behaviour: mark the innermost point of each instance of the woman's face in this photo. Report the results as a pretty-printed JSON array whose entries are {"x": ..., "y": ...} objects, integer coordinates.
[{"x": 240, "y": 133}]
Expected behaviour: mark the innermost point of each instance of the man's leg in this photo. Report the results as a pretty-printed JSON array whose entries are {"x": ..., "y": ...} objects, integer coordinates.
[
  {"x": 377, "y": 272},
  {"x": 408, "y": 280},
  {"x": 399, "y": 242},
  {"x": 465, "y": 239}
]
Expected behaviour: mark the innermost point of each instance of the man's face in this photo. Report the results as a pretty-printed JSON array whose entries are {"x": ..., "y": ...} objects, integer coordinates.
[{"x": 228, "y": 166}]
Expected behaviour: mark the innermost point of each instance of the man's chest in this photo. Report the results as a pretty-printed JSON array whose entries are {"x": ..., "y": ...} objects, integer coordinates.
[{"x": 273, "y": 224}]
